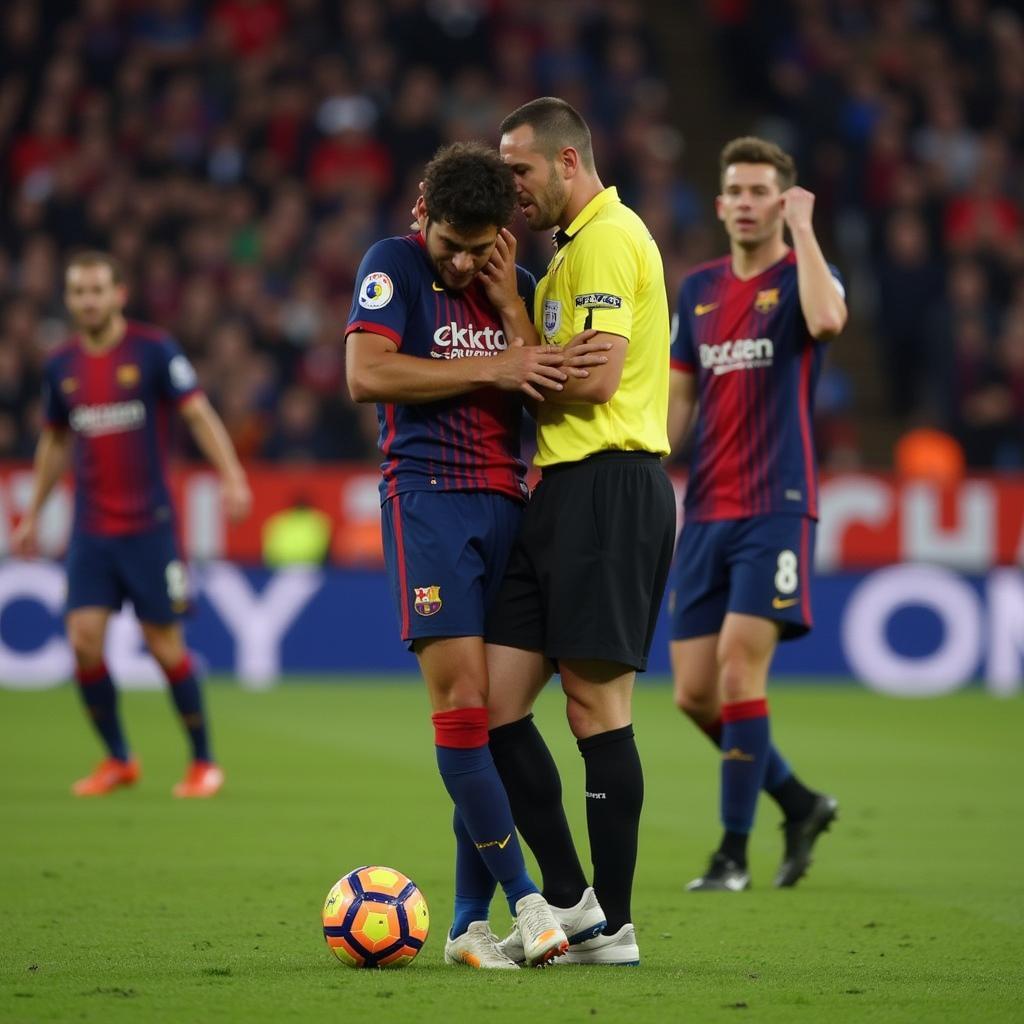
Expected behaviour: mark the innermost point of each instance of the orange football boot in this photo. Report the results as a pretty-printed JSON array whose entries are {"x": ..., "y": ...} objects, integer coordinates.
[
  {"x": 107, "y": 776},
  {"x": 202, "y": 779}
]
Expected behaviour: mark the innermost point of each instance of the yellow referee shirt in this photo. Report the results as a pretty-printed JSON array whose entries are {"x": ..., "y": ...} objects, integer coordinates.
[{"x": 607, "y": 274}]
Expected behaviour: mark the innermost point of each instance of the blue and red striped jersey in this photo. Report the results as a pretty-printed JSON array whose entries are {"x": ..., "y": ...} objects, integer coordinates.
[
  {"x": 118, "y": 403},
  {"x": 466, "y": 443},
  {"x": 757, "y": 366}
]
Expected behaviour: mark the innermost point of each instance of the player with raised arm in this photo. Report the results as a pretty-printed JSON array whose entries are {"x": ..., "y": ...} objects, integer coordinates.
[
  {"x": 585, "y": 580},
  {"x": 436, "y": 338},
  {"x": 746, "y": 351},
  {"x": 108, "y": 395}
]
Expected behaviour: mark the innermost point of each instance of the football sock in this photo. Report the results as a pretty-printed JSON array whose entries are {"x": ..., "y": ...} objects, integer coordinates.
[
  {"x": 100, "y": 698},
  {"x": 746, "y": 740},
  {"x": 776, "y": 771},
  {"x": 474, "y": 883},
  {"x": 472, "y": 781},
  {"x": 795, "y": 799},
  {"x": 534, "y": 792},
  {"x": 188, "y": 699},
  {"x": 734, "y": 846},
  {"x": 615, "y": 796}
]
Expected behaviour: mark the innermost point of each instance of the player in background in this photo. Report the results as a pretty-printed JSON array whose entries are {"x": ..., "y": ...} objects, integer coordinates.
[
  {"x": 585, "y": 580},
  {"x": 436, "y": 339},
  {"x": 108, "y": 394},
  {"x": 746, "y": 351}
]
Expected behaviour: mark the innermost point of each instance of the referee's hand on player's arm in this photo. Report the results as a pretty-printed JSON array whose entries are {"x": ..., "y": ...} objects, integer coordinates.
[
  {"x": 526, "y": 368},
  {"x": 582, "y": 352}
]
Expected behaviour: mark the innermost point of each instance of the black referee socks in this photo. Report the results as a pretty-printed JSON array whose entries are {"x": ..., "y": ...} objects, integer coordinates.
[
  {"x": 615, "y": 796},
  {"x": 534, "y": 789}
]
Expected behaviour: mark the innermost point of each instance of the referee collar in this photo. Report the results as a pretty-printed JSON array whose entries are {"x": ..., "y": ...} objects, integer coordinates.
[{"x": 562, "y": 238}]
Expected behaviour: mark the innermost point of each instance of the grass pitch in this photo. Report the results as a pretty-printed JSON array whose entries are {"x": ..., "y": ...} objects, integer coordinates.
[{"x": 145, "y": 909}]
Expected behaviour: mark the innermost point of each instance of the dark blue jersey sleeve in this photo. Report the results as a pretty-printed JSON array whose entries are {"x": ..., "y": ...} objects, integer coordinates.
[
  {"x": 176, "y": 380},
  {"x": 681, "y": 353},
  {"x": 54, "y": 406},
  {"x": 527, "y": 284},
  {"x": 383, "y": 294}
]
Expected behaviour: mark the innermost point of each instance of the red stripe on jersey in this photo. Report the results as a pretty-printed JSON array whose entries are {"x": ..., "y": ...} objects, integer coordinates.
[
  {"x": 806, "y": 437},
  {"x": 403, "y": 588},
  {"x": 385, "y": 447},
  {"x": 805, "y": 571},
  {"x": 678, "y": 364},
  {"x": 368, "y": 327}
]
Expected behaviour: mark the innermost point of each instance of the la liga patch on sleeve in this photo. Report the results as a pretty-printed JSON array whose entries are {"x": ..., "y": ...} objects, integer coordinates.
[{"x": 376, "y": 290}]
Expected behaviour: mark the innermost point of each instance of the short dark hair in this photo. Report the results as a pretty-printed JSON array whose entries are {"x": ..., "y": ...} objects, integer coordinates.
[
  {"x": 556, "y": 124},
  {"x": 95, "y": 258},
  {"x": 749, "y": 149},
  {"x": 469, "y": 186}
]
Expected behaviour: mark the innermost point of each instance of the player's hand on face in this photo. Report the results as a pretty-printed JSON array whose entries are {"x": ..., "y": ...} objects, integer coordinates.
[
  {"x": 529, "y": 368},
  {"x": 23, "y": 539},
  {"x": 797, "y": 207},
  {"x": 499, "y": 272},
  {"x": 237, "y": 498},
  {"x": 582, "y": 352}
]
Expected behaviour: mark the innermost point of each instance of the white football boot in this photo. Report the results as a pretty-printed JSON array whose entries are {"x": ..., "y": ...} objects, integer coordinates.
[
  {"x": 580, "y": 922},
  {"x": 617, "y": 950},
  {"x": 477, "y": 947},
  {"x": 540, "y": 933}
]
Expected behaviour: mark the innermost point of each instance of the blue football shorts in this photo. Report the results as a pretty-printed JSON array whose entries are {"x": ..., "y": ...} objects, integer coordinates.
[
  {"x": 756, "y": 566},
  {"x": 445, "y": 554},
  {"x": 144, "y": 568}
]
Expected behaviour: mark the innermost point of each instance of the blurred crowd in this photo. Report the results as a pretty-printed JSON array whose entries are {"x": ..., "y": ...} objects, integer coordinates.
[
  {"x": 907, "y": 120},
  {"x": 239, "y": 156}
]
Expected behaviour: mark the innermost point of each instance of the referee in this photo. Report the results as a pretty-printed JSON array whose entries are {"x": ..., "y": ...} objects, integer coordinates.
[{"x": 585, "y": 581}]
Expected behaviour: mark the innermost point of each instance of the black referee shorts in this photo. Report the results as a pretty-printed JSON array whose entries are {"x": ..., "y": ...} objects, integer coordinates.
[{"x": 587, "y": 574}]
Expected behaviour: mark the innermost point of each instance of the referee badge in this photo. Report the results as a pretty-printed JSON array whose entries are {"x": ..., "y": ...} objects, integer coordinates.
[
  {"x": 427, "y": 600},
  {"x": 552, "y": 317}
]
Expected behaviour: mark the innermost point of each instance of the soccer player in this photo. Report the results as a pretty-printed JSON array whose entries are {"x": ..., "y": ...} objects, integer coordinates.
[
  {"x": 747, "y": 347},
  {"x": 436, "y": 338},
  {"x": 107, "y": 396},
  {"x": 585, "y": 580}
]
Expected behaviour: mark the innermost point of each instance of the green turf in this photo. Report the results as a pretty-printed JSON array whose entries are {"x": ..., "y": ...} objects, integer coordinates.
[{"x": 142, "y": 908}]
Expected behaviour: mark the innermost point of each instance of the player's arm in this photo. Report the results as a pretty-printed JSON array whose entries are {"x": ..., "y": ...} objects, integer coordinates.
[
  {"x": 682, "y": 407},
  {"x": 212, "y": 440},
  {"x": 821, "y": 299},
  {"x": 53, "y": 452},
  {"x": 377, "y": 371},
  {"x": 605, "y": 354}
]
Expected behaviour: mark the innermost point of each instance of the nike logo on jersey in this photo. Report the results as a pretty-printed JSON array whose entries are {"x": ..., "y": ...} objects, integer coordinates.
[
  {"x": 780, "y": 603},
  {"x": 704, "y": 307},
  {"x": 436, "y": 286}
]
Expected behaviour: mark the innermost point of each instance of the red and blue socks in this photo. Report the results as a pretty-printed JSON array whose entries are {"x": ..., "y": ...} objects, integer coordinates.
[
  {"x": 746, "y": 741},
  {"x": 795, "y": 800},
  {"x": 188, "y": 699},
  {"x": 488, "y": 831},
  {"x": 99, "y": 695},
  {"x": 474, "y": 883},
  {"x": 534, "y": 790},
  {"x": 614, "y": 782}
]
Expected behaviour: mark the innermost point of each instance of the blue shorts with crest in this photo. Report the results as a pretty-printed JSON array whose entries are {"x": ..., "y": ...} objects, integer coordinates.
[{"x": 445, "y": 553}]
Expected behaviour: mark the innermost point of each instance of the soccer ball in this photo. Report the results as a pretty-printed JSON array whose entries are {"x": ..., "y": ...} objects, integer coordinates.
[{"x": 375, "y": 917}]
